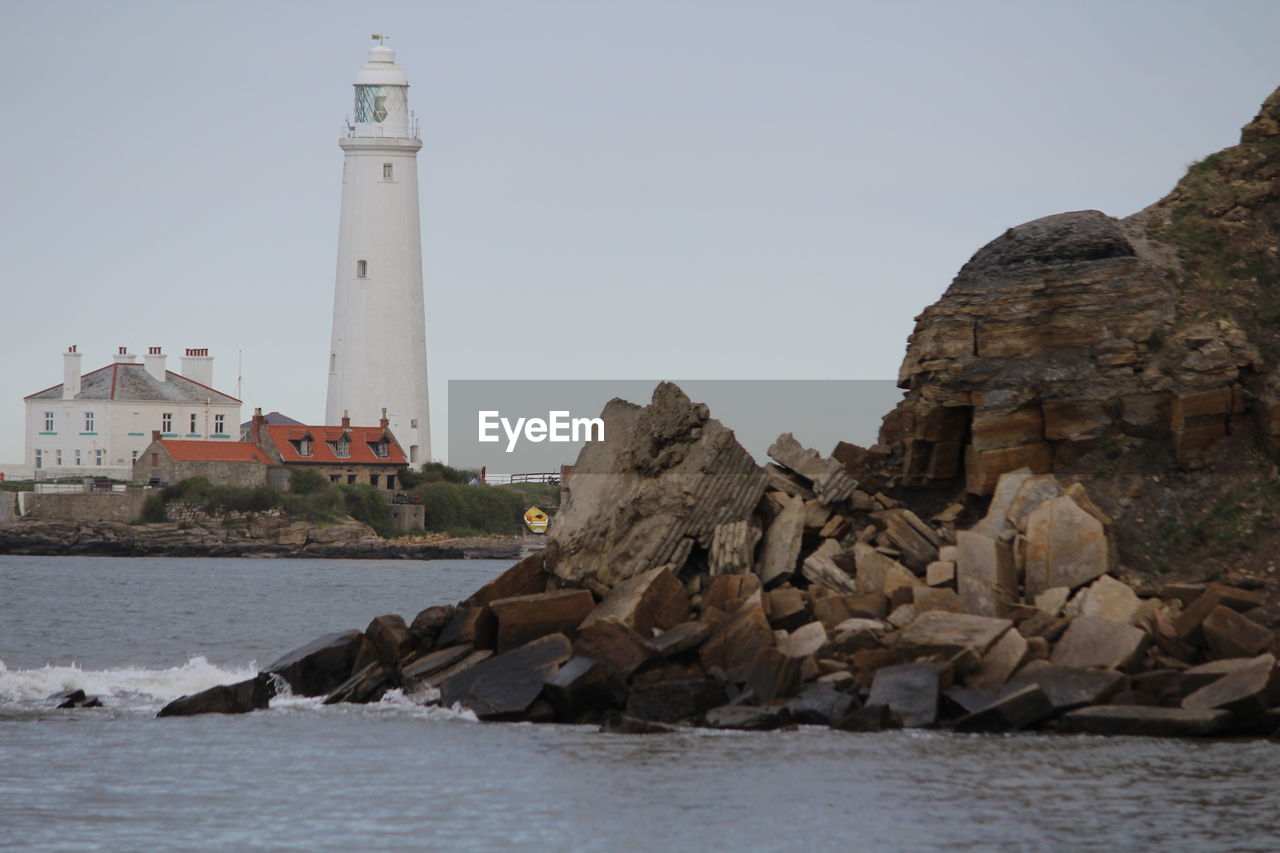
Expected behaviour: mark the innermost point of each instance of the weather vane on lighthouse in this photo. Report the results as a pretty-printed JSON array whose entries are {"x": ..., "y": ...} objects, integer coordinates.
[{"x": 381, "y": 38}]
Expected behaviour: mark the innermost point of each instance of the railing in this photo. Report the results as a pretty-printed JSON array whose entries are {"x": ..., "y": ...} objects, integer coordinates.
[{"x": 549, "y": 477}]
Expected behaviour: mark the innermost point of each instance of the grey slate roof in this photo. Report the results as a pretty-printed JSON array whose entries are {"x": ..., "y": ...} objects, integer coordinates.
[
  {"x": 274, "y": 418},
  {"x": 122, "y": 381}
]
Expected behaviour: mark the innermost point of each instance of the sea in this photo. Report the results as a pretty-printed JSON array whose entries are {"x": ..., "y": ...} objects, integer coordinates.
[{"x": 139, "y": 632}]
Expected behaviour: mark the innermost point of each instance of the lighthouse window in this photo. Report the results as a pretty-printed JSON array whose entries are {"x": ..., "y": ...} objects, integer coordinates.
[
  {"x": 362, "y": 269},
  {"x": 386, "y": 171}
]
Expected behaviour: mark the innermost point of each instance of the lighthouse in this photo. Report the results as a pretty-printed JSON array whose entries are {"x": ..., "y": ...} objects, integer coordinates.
[{"x": 378, "y": 354}]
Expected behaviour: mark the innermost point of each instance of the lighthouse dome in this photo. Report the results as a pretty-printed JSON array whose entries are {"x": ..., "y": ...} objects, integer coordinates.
[{"x": 381, "y": 70}]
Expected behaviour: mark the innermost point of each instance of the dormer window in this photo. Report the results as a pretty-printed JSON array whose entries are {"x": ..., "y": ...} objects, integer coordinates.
[
  {"x": 304, "y": 447},
  {"x": 341, "y": 447},
  {"x": 380, "y": 449}
]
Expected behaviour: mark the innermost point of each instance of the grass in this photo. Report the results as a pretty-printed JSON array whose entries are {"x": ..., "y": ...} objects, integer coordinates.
[{"x": 1235, "y": 521}]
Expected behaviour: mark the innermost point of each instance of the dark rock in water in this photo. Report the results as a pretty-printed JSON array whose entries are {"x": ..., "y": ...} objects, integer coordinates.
[
  {"x": 1248, "y": 691},
  {"x": 524, "y": 578},
  {"x": 91, "y": 702},
  {"x": 428, "y": 624},
  {"x": 319, "y": 667},
  {"x": 505, "y": 686},
  {"x": 1070, "y": 687},
  {"x": 745, "y": 718},
  {"x": 239, "y": 698},
  {"x": 819, "y": 704},
  {"x": 390, "y": 637},
  {"x": 910, "y": 691},
  {"x": 428, "y": 665},
  {"x": 614, "y": 644},
  {"x": 1142, "y": 720},
  {"x": 618, "y": 723},
  {"x": 739, "y": 640},
  {"x": 368, "y": 685},
  {"x": 473, "y": 625},
  {"x": 580, "y": 686},
  {"x": 770, "y": 675},
  {"x": 1015, "y": 710},
  {"x": 524, "y": 618},
  {"x": 67, "y": 699},
  {"x": 871, "y": 718},
  {"x": 672, "y": 701}
]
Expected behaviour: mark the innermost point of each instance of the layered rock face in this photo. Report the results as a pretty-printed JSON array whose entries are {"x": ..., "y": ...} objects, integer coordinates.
[{"x": 1077, "y": 331}]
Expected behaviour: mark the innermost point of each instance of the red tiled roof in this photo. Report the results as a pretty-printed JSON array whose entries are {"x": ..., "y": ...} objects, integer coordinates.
[
  {"x": 360, "y": 437},
  {"x": 214, "y": 451}
]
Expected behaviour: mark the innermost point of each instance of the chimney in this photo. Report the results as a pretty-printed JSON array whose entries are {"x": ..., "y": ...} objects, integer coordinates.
[
  {"x": 346, "y": 419},
  {"x": 123, "y": 356},
  {"x": 70, "y": 373},
  {"x": 197, "y": 365},
  {"x": 154, "y": 361},
  {"x": 255, "y": 427},
  {"x": 384, "y": 423}
]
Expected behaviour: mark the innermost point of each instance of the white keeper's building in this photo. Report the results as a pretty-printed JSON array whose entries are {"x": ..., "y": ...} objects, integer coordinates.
[{"x": 96, "y": 423}]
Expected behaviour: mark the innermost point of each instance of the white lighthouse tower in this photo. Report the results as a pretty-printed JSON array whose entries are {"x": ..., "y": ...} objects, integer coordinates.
[{"x": 378, "y": 357}]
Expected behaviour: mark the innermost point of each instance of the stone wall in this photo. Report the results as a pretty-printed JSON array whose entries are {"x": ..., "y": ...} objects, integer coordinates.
[
  {"x": 407, "y": 516},
  {"x": 246, "y": 475},
  {"x": 8, "y": 506},
  {"x": 86, "y": 506}
]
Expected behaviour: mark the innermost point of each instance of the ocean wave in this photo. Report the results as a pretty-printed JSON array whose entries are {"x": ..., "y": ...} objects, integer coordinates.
[{"x": 127, "y": 687}]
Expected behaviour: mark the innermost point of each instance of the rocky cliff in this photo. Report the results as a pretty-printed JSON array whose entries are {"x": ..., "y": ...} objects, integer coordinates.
[{"x": 1141, "y": 355}]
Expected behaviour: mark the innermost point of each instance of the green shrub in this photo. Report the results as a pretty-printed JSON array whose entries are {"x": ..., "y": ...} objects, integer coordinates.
[
  {"x": 478, "y": 509},
  {"x": 365, "y": 503},
  {"x": 153, "y": 509},
  {"x": 307, "y": 482}
]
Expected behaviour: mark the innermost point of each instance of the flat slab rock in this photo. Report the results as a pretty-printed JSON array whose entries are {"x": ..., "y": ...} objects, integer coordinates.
[
  {"x": 1145, "y": 720},
  {"x": 320, "y": 666},
  {"x": 504, "y": 687},
  {"x": 938, "y": 632}
]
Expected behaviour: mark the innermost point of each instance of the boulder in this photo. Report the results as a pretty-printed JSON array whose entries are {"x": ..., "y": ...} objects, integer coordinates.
[
  {"x": 527, "y": 617},
  {"x": 823, "y": 571},
  {"x": 831, "y": 482},
  {"x": 1207, "y": 673},
  {"x": 749, "y": 718},
  {"x": 874, "y": 569},
  {"x": 831, "y": 610},
  {"x": 1248, "y": 691},
  {"x": 427, "y": 625},
  {"x": 527, "y": 577},
  {"x": 869, "y": 718},
  {"x": 728, "y": 592},
  {"x": 1001, "y": 661},
  {"x": 733, "y": 546},
  {"x": 769, "y": 675},
  {"x": 432, "y": 663},
  {"x": 910, "y": 691},
  {"x": 1094, "y": 641},
  {"x": 1110, "y": 599},
  {"x": 390, "y": 638},
  {"x": 803, "y": 641},
  {"x": 818, "y": 704},
  {"x": 674, "y": 700},
  {"x": 780, "y": 550},
  {"x": 664, "y": 477},
  {"x": 1145, "y": 721},
  {"x": 787, "y": 609},
  {"x": 684, "y": 637},
  {"x": 1233, "y": 635},
  {"x": 505, "y": 686},
  {"x": 1069, "y": 687},
  {"x": 941, "y": 634},
  {"x": 1016, "y": 709},
  {"x": 986, "y": 575},
  {"x": 240, "y": 698},
  {"x": 1051, "y": 601},
  {"x": 936, "y": 598},
  {"x": 317, "y": 668},
  {"x": 440, "y": 676},
  {"x": 914, "y": 539},
  {"x": 940, "y": 573},
  {"x": 1066, "y": 546},
  {"x": 367, "y": 685},
  {"x": 616, "y": 646},
  {"x": 580, "y": 686},
  {"x": 737, "y": 641},
  {"x": 474, "y": 626},
  {"x": 652, "y": 599}
]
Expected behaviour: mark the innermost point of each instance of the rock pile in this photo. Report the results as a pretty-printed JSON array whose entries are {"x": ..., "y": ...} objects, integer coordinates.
[{"x": 692, "y": 588}]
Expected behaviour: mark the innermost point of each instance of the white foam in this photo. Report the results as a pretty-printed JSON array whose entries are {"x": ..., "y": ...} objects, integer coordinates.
[{"x": 127, "y": 687}]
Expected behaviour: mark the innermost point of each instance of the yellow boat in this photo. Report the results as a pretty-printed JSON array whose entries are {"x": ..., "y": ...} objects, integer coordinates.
[{"x": 536, "y": 519}]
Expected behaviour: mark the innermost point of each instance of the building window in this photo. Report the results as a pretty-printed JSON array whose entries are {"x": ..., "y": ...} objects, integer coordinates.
[
  {"x": 303, "y": 446},
  {"x": 134, "y": 458},
  {"x": 77, "y": 458},
  {"x": 380, "y": 449},
  {"x": 97, "y": 457},
  {"x": 333, "y": 362},
  {"x": 373, "y": 480},
  {"x": 88, "y": 421},
  {"x": 39, "y": 458},
  {"x": 48, "y": 421},
  {"x": 219, "y": 424},
  {"x": 341, "y": 448},
  {"x": 413, "y": 423},
  {"x": 351, "y": 478},
  {"x": 362, "y": 269},
  {"x": 193, "y": 424},
  {"x": 57, "y": 458},
  {"x": 386, "y": 171},
  {"x": 166, "y": 422},
  {"x": 391, "y": 481},
  {"x": 333, "y": 478}
]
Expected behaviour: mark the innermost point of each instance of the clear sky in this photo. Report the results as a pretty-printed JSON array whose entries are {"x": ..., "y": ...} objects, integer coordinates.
[{"x": 722, "y": 189}]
